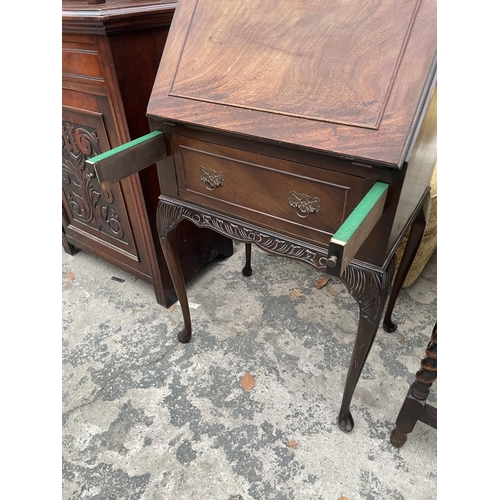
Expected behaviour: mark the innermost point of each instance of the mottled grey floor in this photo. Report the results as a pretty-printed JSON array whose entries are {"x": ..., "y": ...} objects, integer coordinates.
[{"x": 145, "y": 417}]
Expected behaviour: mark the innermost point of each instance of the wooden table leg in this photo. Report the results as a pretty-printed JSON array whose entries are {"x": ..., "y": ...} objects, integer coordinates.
[
  {"x": 414, "y": 407},
  {"x": 414, "y": 239},
  {"x": 369, "y": 286},
  {"x": 247, "y": 270},
  {"x": 167, "y": 218},
  {"x": 370, "y": 289}
]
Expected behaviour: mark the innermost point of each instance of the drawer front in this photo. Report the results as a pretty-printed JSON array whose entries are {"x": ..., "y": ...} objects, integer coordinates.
[
  {"x": 81, "y": 59},
  {"x": 303, "y": 201}
]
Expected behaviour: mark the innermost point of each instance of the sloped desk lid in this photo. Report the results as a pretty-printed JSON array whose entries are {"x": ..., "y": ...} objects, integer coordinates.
[{"x": 348, "y": 77}]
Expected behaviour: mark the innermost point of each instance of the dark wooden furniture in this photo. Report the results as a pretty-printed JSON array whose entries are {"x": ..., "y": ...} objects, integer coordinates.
[
  {"x": 414, "y": 239},
  {"x": 110, "y": 56},
  {"x": 415, "y": 407},
  {"x": 279, "y": 118}
]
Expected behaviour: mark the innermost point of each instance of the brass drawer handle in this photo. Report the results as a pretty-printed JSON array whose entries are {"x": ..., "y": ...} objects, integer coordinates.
[
  {"x": 211, "y": 178},
  {"x": 303, "y": 204}
]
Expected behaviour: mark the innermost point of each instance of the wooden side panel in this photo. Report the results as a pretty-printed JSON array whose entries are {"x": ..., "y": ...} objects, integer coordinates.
[
  {"x": 107, "y": 222},
  {"x": 419, "y": 171}
]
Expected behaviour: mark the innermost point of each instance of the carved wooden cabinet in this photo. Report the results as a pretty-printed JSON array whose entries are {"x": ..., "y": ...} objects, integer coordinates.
[{"x": 110, "y": 55}]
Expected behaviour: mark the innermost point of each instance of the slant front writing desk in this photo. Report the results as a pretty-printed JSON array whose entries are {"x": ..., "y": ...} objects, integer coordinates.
[{"x": 274, "y": 122}]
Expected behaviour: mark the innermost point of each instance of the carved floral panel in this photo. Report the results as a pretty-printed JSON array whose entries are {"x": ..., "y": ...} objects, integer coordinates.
[{"x": 88, "y": 203}]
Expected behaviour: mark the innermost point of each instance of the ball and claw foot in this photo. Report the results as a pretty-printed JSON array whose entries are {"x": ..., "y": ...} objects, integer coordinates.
[
  {"x": 184, "y": 336},
  {"x": 398, "y": 438},
  {"x": 390, "y": 327},
  {"x": 345, "y": 422}
]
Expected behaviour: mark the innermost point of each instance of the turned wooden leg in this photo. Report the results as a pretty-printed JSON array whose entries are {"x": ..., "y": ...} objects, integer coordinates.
[
  {"x": 168, "y": 217},
  {"x": 370, "y": 289},
  {"x": 247, "y": 270},
  {"x": 414, "y": 238},
  {"x": 414, "y": 407}
]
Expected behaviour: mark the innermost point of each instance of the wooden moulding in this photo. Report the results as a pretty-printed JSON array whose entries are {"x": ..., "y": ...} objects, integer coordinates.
[
  {"x": 356, "y": 228},
  {"x": 129, "y": 158},
  {"x": 106, "y": 17}
]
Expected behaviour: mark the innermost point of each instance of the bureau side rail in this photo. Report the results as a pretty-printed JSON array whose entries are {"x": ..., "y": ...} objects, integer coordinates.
[
  {"x": 345, "y": 243},
  {"x": 123, "y": 161}
]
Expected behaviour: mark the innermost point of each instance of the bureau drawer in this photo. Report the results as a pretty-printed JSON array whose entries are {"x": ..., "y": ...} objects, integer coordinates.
[{"x": 306, "y": 202}]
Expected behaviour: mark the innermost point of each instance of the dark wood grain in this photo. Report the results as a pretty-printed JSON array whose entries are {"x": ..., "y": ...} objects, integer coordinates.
[
  {"x": 110, "y": 56},
  {"x": 369, "y": 88},
  {"x": 224, "y": 64},
  {"x": 257, "y": 188}
]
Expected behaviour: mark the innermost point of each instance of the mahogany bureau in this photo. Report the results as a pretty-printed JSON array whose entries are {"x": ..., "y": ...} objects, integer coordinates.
[
  {"x": 110, "y": 54},
  {"x": 306, "y": 128}
]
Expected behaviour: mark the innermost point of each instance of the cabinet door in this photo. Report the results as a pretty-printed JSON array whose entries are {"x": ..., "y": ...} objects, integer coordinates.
[
  {"x": 110, "y": 223},
  {"x": 89, "y": 212}
]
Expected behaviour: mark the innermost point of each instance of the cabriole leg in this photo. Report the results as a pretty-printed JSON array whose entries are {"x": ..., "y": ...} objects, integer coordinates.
[
  {"x": 414, "y": 238},
  {"x": 168, "y": 217},
  {"x": 369, "y": 288},
  {"x": 247, "y": 270}
]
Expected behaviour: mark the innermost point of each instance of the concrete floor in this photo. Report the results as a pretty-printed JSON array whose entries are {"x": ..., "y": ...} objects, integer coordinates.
[{"x": 145, "y": 417}]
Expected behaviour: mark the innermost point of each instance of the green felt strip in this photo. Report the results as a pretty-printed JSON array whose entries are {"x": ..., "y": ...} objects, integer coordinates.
[
  {"x": 347, "y": 229},
  {"x": 123, "y": 147}
]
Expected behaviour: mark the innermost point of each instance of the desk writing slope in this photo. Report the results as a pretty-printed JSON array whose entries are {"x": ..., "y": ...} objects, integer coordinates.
[{"x": 340, "y": 76}]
